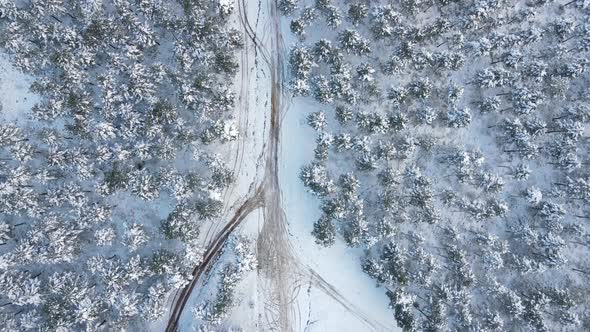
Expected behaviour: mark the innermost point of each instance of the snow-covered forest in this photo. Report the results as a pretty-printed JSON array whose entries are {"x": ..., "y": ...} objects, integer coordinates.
[
  {"x": 452, "y": 146},
  {"x": 105, "y": 182},
  {"x": 147, "y": 184}
]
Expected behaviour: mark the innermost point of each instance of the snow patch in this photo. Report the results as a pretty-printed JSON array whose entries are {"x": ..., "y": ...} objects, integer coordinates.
[{"x": 16, "y": 99}]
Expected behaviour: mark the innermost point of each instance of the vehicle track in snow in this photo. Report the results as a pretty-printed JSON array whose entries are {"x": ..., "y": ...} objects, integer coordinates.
[{"x": 211, "y": 253}]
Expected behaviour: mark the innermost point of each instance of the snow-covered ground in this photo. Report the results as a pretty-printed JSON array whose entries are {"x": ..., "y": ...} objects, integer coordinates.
[
  {"x": 247, "y": 309},
  {"x": 338, "y": 265},
  {"x": 16, "y": 100}
]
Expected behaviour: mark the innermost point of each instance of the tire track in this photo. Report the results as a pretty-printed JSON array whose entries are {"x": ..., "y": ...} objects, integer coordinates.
[{"x": 211, "y": 253}]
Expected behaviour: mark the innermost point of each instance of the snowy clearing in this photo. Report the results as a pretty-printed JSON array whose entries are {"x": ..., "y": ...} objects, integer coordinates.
[{"x": 16, "y": 100}]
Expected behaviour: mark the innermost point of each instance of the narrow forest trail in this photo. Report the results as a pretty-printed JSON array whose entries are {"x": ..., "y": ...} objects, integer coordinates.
[{"x": 280, "y": 273}]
